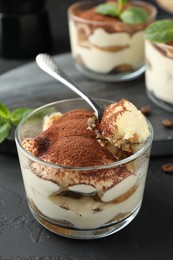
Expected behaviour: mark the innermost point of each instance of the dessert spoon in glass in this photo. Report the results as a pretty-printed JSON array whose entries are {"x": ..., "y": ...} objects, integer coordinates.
[{"x": 47, "y": 64}]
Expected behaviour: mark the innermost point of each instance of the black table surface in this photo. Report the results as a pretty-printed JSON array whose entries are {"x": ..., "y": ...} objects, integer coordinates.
[{"x": 149, "y": 236}]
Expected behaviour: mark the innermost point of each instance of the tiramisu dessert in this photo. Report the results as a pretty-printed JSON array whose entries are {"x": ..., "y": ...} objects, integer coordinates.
[
  {"x": 159, "y": 59},
  {"x": 107, "y": 39},
  {"x": 84, "y": 174}
]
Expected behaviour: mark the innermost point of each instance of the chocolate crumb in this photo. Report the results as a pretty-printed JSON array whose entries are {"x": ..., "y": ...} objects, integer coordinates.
[
  {"x": 64, "y": 207},
  {"x": 97, "y": 209},
  {"x": 168, "y": 167},
  {"x": 167, "y": 123},
  {"x": 146, "y": 110}
]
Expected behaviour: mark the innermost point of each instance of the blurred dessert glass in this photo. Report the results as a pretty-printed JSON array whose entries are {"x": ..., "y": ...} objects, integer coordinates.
[
  {"x": 167, "y": 5},
  {"x": 159, "y": 63},
  {"x": 109, "y": 47},
  {"x": 81, "y": 202}
]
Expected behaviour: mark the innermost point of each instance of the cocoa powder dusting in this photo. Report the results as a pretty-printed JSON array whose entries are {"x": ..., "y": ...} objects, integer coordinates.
[
  {"x": 77, "y": 151},
  {"x": 108, "y": 123},
  {"x": 69, "y": 142}
]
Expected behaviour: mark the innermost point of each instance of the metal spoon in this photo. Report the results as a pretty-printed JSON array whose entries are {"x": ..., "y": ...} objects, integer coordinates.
[{"x": 46, "y": 63}]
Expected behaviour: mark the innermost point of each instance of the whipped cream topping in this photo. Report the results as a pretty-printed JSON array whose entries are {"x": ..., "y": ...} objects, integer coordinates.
[
  {"x": 159, "y": 73},
  {"x": 124, "y": 125},
  {"x": 101, "y": 38}
]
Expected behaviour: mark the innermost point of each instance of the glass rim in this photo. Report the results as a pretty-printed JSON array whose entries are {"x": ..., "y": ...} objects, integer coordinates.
[
  {"x": 87, "y": 168},
  {"x": 87, "y": 21}
]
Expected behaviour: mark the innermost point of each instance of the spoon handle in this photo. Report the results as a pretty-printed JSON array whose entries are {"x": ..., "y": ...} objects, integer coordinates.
[{"x": 47, "y": 64}]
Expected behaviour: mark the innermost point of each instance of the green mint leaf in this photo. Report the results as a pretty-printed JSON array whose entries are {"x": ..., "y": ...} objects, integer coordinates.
[
  {"x": 134, "y": 15},
  {"x": 18, "y": 114},
  {"x": 4, "y": 131},
  {"x": 2, "y": 120},
  {"x": 4, "y": 112},
  {"x": 160, "y": 31},
  {"x": 110, "y": 9},
  {"x": 122, "y": 2}
]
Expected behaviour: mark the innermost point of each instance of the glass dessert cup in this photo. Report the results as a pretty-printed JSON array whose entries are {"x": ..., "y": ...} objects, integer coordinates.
[
  {"x": 159, "y": 74},
  {"x": 166, "y": 5},
  {"x": 80, "y": 211},
  {"x": 107, "y": 50}
]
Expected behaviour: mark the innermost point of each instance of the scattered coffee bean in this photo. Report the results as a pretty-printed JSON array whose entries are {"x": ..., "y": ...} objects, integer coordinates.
[
  {"x": 167, "y": 167},
  {"x": 146, "y": 110},
  {"x": 167, "y": 123}
]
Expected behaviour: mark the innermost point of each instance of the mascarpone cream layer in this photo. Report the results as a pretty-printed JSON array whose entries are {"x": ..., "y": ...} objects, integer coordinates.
[
  {"x": 159, "y": 73},
  {"x": 84, "y": 212},
  {"x": 104, "y": 61},
  {"x": 124, "y": 125}
]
